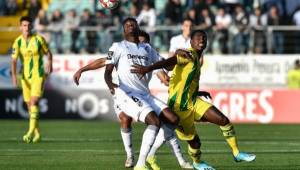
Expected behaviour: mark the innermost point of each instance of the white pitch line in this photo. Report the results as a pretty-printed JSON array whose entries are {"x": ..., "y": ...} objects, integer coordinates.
[
  {"x": 287, "y": 142},
  {"x": 122, "y": 152}
]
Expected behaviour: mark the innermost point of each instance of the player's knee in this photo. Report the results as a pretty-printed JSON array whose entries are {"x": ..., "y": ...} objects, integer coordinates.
[
  {"x": 175, "y": 120},
  {"x": 125, "y": 121},
  {"x": 224, "y": 121},
  {"x": 33, "y": 102},
  {"x": 152, "y": 119}
]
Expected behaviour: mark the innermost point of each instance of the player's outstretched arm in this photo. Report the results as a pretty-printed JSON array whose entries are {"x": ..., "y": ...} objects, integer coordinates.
[
  {"x": 108, "y": 78},
  {"x": 14, "y": 72},
  {"x": 142, "y": 70},
  {"x": 99, "y": 63}
]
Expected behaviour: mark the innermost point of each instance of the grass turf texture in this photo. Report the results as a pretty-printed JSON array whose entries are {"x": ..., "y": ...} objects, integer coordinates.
[{"x": 98, "y": 145}]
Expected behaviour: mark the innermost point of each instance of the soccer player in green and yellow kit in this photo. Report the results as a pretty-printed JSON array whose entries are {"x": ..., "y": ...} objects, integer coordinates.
[
  {"x": 184, "y": 101},
  {"x": 31, "y": 48}
]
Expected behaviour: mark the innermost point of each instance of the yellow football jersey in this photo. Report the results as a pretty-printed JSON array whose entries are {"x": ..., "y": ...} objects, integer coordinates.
[
  {"x": 31, "y": 54},
  {"x": 184, "y": 82}
]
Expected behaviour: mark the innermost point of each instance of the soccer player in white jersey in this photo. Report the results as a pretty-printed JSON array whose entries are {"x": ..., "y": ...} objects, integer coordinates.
[
  {"x": 182, "y": 40},
  {"x": 125, "y": 121},
  {"x": 146, "y": 108}
]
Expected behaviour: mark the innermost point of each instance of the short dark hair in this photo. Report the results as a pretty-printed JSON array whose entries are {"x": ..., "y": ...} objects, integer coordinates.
[
  {"x": 129, "y": 19},
  {"x": 297, "y": 62},
  {"x": 187, "y": 19},
  {"x": 144, "y": 34},
  {"x": 198, "y": 31},
  {"x": 25, "y": 18}
]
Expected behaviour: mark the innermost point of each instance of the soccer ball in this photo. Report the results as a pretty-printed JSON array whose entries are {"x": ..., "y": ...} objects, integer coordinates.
[{"x": 109, "y": 4}]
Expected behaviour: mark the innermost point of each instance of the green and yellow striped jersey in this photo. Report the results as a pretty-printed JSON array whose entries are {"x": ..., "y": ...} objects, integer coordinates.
[
  {"x": 184, "y": 82},
  {"x": 31, "y": 54}
]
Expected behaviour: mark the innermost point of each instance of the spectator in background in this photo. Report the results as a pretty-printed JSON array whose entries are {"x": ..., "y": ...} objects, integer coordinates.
[
  {"x": 91, "y": 35},
  {"x": 240, "y": 31},
  {"x": 103, "y": 21},
  {"x": 147, "y": 18},
  {"x": 134, "y": 11},
  {"x": 10, "y": 7},
  {"x": 173, "y": 12},
  {"x": 206, "y": 24},
  {"x": 41, "y": 24},
  {"x": 191, "y": 14},
  {"x": 293, "y": 77},
  {"x": 182, "y": 40},
  {"x": 34, "y": 8},
  {"x": 257, "y": 23},
  {"x": 223, "y": 21},
  {"x": 56, "y": 27},
  {"x": 72, "y": 23},
  {"x": 274, "y": 19},
  {"x": 296, "y": 21}
]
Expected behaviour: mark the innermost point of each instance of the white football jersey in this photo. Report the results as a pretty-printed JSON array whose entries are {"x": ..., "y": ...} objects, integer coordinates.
[{"x": 123, "y": 55}]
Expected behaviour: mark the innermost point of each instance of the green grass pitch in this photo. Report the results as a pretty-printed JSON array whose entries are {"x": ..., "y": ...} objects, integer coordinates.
[{"x": 97, "y": 145}]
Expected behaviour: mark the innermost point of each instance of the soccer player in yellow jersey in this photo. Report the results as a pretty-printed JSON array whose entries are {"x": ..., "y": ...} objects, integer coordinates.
[
  {"x": 293, "y": 76},
  {"x": 31, "y": 48},
  {"x": 184, "y": 100}
]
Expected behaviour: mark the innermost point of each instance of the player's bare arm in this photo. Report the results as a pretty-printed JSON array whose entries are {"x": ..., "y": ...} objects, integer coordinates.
[
  {"x": 49, "y": 66},
  {"x": 99, "y": 63},
  {"x": 14, "y": 72},
  {"x": 108, "y": 78},
  {"x": 142, "y": 70}
]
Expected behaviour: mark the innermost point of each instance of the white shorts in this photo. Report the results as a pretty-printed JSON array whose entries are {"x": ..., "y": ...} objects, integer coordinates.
[{"x": 136, "y": 105}]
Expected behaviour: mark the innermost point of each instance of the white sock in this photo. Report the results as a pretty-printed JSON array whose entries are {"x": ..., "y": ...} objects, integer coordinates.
[
  {"x": 174, "y": 143},
  {"x": 147, "y": 142},
  {"x": 160, "y": 140},
  {"x": 166, "y": 133},
  {"x": 127, "y": 141}
]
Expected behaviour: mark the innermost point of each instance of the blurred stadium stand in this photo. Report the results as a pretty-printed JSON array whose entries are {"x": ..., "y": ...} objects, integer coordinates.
[{"x": 278, "y": 34}]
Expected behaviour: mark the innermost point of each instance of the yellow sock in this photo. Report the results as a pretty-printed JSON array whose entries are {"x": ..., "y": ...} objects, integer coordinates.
[
  {"x": 195, "y": 154},
  {"x": 33, "y": 121},
  {"x": 229, "y": 134}
]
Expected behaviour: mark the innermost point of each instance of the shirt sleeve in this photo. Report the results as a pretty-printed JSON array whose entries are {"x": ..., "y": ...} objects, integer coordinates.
[
  {"x": 182, "y": 60},
  {"x": 43, "y": 44},
  {"x": 15, "y": 50},
  {"x": 113, "y": 55}
]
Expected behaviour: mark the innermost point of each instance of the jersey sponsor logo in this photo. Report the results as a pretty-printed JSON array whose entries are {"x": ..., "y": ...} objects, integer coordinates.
[
  {"x": 109, "y": 55},
  {"x": 13, "y": 50},
  {"x": 137, "y": 101},
  {"x": 131, "y": 56}
]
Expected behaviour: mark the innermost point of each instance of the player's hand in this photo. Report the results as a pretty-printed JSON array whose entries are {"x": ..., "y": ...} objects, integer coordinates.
[
  {"x": 166, "y": 80},
  {"x": 204, "y": 94},
  {"x": 184, "y": 53},
  {"x": 76, "y": 77},
  {"x": 139, "y": 69},
  {"x": 112, "y": 87},
  {"x": 49, "y": 68}
]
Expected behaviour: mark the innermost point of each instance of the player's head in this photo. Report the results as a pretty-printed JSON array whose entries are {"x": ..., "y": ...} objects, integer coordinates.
[
  {"x": 26, "y": 25},
  {"x": 144, "y": 37},
  {"x": 199, "y": 40},
  {"x": 130, "y": 26},
  {"x": 186, "y": 27}
]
